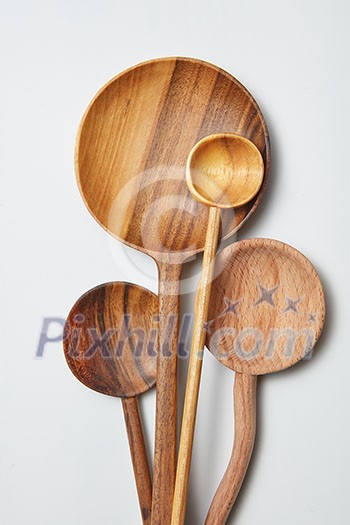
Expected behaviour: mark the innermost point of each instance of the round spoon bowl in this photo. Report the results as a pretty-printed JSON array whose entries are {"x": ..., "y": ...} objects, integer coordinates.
[
  {"x": 133, "y": 145},
  {"x": 110, "y": 343},
  {"x": 267, "y": 307},
  {"x": 225, "y": 170}
]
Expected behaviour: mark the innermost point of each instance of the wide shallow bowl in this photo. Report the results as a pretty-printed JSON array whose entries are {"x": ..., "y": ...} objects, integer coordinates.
[{"x": 134, "y": 140}]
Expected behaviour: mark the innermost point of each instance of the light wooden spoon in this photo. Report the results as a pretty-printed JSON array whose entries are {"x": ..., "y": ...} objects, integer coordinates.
[
  {"x": 223, "y": 171},
  {"x": 267, "y": 311},
  {"x": 110, "y": 345}
]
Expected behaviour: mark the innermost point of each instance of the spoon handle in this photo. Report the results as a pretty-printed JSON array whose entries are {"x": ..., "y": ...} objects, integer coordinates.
[
  {"x": 245, "y": 425},
  {"x": 166, "y": 393},
  {"x": 139, "y": 456},
  {"x": 195, "y": 369}
]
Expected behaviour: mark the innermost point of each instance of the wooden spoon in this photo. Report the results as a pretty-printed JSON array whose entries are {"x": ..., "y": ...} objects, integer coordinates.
[
  {"x": 267, "y": 311},
  {"x": 110, "y": 345},
  {"x": 223, "y": 170},
  {"x": 131, "y": 154}
]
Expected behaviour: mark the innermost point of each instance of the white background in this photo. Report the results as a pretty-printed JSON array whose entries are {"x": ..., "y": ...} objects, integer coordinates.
[{"x": 64, "y": 452}]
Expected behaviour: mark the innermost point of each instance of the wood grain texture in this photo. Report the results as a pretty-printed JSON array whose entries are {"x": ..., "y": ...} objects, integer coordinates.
[
  {"x": 111, "y": 344},
  {"x": 139, "y": 456},
  {"x": 133, "y": 145},
  {"x": 166, "y": 405},
  {"x": 131, "y": 155},
  {"x": 194, "y": 370},
  {"x": 244, "y": 437},
  {"x": 224, "y": 170},
  {"x": 267, "y": 307},
  {"x": 267, "y": 312}
]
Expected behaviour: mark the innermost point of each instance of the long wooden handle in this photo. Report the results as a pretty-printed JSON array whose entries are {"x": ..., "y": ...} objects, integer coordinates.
[
  {"x": 195, "y": 369},
  {"x": 139, "y": 456},
  {"x": 166, "y": 403},
  {"x": 245, "y": 425}
]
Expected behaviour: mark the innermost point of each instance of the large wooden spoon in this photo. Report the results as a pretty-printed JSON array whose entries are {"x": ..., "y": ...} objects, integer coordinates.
[
  {"x": 110, "y": 345},
  {"x": 223, "y": 171},
  {"x": 131, "y": 154},
  {"x": 266, "y": 313}
]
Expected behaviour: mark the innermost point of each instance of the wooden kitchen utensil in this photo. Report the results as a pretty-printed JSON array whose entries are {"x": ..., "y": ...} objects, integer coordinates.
[
  {"x": 131, "y": 154},
  {"x": 266, "y": 313},
  {"x": 110, "y": 345},
  {"x": 223, "y": 171}
]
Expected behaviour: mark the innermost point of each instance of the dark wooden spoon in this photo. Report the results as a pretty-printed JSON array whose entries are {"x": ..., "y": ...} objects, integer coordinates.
[
  {"x": 267, "y": 311},
  {"x": 131, "y": 155},
  {"x": 110, "y": 345}
]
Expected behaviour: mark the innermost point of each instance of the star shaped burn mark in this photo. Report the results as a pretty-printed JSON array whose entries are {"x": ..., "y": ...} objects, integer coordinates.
[
  {"x": 312, "y": 318},
  {"x": 267, "y": 295},
  {"x": 292, "y": 305},
  {"x": 230, "y": 307}
]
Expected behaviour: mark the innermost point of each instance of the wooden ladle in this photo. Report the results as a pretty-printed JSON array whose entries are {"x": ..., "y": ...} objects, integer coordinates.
[
  {"x": 110, "y": 345},
  {"x": 131, "y": 155},
  {"x": 223, "y": 171},
  {"x": 266, "y": 313}
]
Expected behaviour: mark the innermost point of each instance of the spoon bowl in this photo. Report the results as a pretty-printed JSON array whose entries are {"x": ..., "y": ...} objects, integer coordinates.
[
  {"x": 224, "y": 170},
  {"x": 267, "y": 307},
  {"x": 107, "y": 341}
]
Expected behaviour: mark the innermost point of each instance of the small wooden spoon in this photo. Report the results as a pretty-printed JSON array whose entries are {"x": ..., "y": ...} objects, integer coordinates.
[
  {"x": 111, "y": 347},
  {"x": 267, "y": 311},
  {"x": 223, "y": 171}
]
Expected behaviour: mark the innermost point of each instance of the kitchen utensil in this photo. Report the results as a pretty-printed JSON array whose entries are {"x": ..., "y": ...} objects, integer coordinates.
[
  {"x": 223, "y": 170},
  {"x": 266, "y": 313},
  {"x": 110, "y": 345}
]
